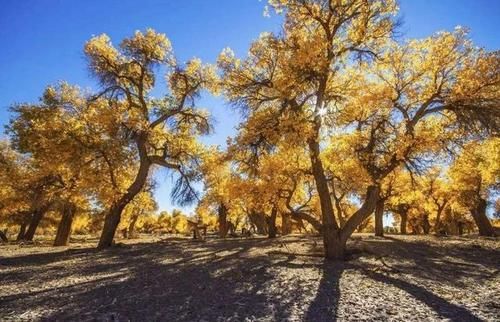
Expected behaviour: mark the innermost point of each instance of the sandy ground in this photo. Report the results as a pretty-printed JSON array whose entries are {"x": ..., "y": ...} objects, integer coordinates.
[{"x": 386, "y": 279}]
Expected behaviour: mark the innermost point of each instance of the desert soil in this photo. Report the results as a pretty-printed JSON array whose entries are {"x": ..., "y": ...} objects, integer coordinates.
[{"x": 397, "y": 278}]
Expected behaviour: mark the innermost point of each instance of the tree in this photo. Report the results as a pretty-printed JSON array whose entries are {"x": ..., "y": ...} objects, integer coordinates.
[
  {"x": 474, "y": 174},
  {"x": 162, "y": 131},
  {"x": 288, "y": 83}
]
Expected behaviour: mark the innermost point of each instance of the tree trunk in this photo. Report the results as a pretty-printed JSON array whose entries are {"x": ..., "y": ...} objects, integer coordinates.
[
  {"x": 259, "y": 221},
  {"x": 403, "y": 223},
  {"x": 437, "y": 225},
  {"x": 286, "y": 224},
  {"x": 271, "y": 223},
  {"x": 330, "y": 228},
  {"x": 299, "y": 216},
  {"x": 379, "y": 218},
  {"x": 481, "y": 220},
  {"x": 35, "y": 221},
  {"x": 426, "y": 226},
  {"x": 114, "y": 215},
  {"x": 3, "y": 237},
  {"x": 131, "y": 226},
  {"x": 223, "y": 226},
  {"x": 22, "y": 231},
  {"x": 64, "y": 228}
]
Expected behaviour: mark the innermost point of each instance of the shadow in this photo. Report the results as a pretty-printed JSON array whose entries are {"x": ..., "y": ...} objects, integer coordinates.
[
  {"x": 442, "y": 307},
  {"x": 324, "y": 307},
  {"x": 234, "y": 280},
  {"x": 441, "y": 261}
]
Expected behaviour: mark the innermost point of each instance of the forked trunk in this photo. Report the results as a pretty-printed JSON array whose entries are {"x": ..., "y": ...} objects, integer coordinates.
[
  {"x": 437, "y": 225},
  {"x": 64, "y": 228},
  {"x": 481, "y": 220},
  {"x": 379, "y": 218}
]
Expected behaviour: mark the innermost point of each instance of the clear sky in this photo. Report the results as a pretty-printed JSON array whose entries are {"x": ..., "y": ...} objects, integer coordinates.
[{"x": 42, "y": 40}]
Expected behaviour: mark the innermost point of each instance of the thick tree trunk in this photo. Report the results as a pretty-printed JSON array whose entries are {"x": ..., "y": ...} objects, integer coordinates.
[
  {"x": 64, "y": 228},
  {"x": 330, "y": 228},
  {"x": 114, "y": 215},
  {"x": 131, "y": 226},
  {"x": 35, "y": 221},
  {"x": 403, "y": 223},
  {"x": 379, "y": 218},
  {"x": 481, "y": 220},
  {"x": 271, "y": 223},
  {"x": 286, "y": 224},
  {"x": 223, "y": 225},
  {"x": 22, "y": 231}
]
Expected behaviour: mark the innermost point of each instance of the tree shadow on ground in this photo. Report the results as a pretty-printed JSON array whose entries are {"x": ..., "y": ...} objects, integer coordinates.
[
  {"x": 218, "y": 280},
  {"x": 441, "y": 263},
  {"x": 443, "y": 308},
  {"x": 180, "y": 281}
]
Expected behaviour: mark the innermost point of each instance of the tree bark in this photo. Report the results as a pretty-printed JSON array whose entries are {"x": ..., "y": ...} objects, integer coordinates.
[
  {"x": 403, "y": 223},
  {"x": 22, "y": 231},
  {"x": 271, "y": 223},
  {"x": 64, "y": 228},
  {"x": 35, "y": 221},
  {"x": 330, "y": 228},
  {"x": 114, "y": 215},
  {"x": 481, "y": 220},
  {"x": 286, "y": 224},
  {"x": 379, "y": 218},
  {"x": 223, "y": 226}
]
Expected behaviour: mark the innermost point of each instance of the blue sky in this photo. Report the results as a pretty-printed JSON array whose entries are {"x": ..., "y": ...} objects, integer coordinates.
[{"x": 42, "y": 41}]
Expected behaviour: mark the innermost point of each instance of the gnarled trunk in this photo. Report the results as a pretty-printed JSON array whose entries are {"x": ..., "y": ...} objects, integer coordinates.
[
  {"x": 379, "y": 218},
  {"x": 481, "y": 220},
  {"x": 64, "y": 228}
]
